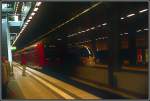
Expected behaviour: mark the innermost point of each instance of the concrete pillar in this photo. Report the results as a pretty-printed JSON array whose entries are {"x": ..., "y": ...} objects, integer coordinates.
[
  {"x": 132, "y": 47},
  {"x": 114, "y": 44},
  {"x": 6, "y": 46}
]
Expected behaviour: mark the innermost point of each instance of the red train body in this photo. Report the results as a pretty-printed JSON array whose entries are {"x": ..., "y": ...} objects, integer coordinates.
[{"x": 33, "y": 55}]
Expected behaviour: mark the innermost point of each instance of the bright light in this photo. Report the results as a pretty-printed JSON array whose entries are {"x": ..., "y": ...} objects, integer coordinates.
[
  {"x": 130, "y": 15},
  {"x": 28, "y": 21},
  {"x": 144, "y": 10},
  {"x": 38, "y": 3},
  {"x": 4, "y": 6},
  {"x": 139, "y": 30},
  {"x": 93, "y": 28},
  {"x": 83, "y": 31},
  {"x": 146, "y": 29},
  {"x": 75, "y": 34},
  {"x": 30, "y": 17},
  {"x": 16, "y": 18},
  {"x": 16, "y": 7},
  {"x": 87, "y": 29},
  {"x": 34, "y": 45},
  {"x": 35, "y": 9},
  {"x": 79, "y": 32},
  {"x": 22, "y": 30},
  {"x": 13, "y": 48},
  {"x": 99, "y": 26},
  {"x": 104, "y": 24},
  {"x": 122, "y": 18},
  {"x": 32, "y": 13},
  {"x": 16, "y": 39},
  {"x": 125, "y": 33},
  {"x": 23, "y": 27},
  {"x": 58, "y": 39}
]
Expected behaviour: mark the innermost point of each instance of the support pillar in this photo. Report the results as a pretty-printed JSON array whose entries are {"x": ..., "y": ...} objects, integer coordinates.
[{"x": 114, "y": 45}]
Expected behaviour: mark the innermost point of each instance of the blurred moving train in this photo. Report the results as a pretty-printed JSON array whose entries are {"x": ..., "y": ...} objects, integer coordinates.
[
  {"x": 65, "y": 58},
  {"x": 42, "y": 54}
]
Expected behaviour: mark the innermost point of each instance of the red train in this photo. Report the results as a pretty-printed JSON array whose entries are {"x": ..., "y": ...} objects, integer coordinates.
[{"x": 41, "y": 55}]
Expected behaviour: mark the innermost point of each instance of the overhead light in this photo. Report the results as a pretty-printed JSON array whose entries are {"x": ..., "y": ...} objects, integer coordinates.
[
  {"x": 23, "y": 26},
  {"x": 38, "y": 3},
  {"x": 30, "y": 17},
  {"x": 87, "y": 29},
  {"x": 17, "y": 4},
  {"x": 28, "y": 21},
  {"x": 139, "y": 30},
  {"x": 121, "y": 34},
  {"x": 22, "y": 29},
  {"x": 35, "y": 9},
  {"x": 16, "y": 39},
  {"x": 125, "y": 33},
  {"x": 70, "y": 35},
  {"x": 32, "y": 13},
  {"x": 34, "y": 45},
  {"x": 99, "y": 26},
  {"x": 104, "y": 24},
  {"x": 146, "y": 29},
  {"x": 144, "y": 10},
  {"x": 122, "y": 18},
  {"x": 75, "y": 34},
  {"x": 83, "y": 31},
  {"x": 93, "y": 28},
  {"x": 79, "y": 32},
  {"x": 58, "y": 39},
  {"x": 130, "y": 15}
]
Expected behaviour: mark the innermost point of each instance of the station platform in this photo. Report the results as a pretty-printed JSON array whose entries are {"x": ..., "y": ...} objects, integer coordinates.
[{"x": 37, "y": 85}]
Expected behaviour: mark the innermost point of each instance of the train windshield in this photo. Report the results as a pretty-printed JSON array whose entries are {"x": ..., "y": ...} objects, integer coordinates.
[{"x": 86, "y": 52}]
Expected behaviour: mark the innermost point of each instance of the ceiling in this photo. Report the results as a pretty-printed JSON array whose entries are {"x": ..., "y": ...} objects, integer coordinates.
[{"x": 52, "y": 14}]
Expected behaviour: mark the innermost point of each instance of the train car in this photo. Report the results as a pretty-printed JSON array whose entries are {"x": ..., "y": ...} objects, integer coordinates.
[
  {"x": 41, "y": 55},
  {"x": 33, "y": 54}
]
